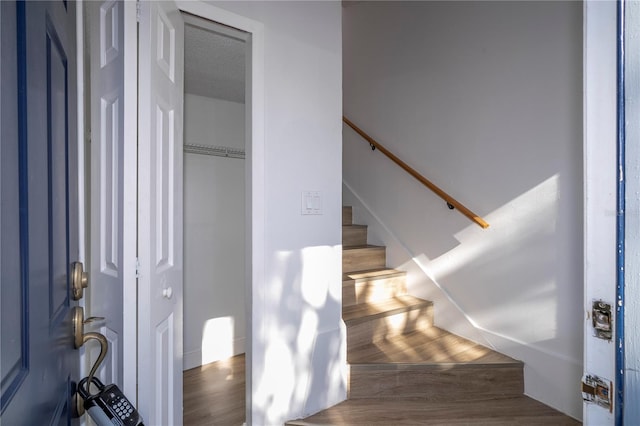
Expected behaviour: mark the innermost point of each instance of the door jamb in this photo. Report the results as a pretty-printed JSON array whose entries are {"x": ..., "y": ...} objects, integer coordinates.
[
  {"x": 599, "y": 148},
  {"x": 130, "y": 204}
]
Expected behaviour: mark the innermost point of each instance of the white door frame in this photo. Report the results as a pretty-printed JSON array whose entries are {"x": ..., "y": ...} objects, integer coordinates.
[
  {"x": 599, "y": 187},
  {"x": 255, "y": 189}
]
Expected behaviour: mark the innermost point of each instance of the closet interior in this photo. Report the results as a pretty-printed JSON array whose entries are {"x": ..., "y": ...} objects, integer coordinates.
[{"x": 214, "y": 192}]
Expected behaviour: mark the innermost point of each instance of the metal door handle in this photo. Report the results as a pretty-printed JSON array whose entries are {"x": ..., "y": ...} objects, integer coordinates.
[
  {"x": 80, "y": 337},
  {"x": 79, "y": 280}
]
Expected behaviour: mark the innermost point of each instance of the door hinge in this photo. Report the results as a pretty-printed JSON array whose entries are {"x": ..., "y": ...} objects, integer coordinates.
[
  {"x": 138, "y": 10},
  {"x": 137, "y": 268}
]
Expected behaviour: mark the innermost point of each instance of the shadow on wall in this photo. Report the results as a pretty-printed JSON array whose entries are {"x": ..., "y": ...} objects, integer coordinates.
[{"x": 305, "y": 353}]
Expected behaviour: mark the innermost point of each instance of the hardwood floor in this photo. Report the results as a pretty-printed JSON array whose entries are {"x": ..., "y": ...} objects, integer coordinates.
[
  {"x": 214, "y": 394},
  {"x": 517, "y": 411}
]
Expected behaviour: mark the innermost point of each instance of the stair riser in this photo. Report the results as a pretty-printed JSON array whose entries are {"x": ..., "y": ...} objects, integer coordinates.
[
  {"x": 462, "y": 383},
  {"x": 373, "y": 290},
  {"x": 354, "y": 236},
  {"x": 347, "y": 216},
  {"x": 389, "y": 326},
  {"x": 363, "y": 258}
]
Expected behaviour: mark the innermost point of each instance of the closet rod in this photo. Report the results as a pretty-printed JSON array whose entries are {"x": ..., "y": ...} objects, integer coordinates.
[{"x": 219, "y": 151}]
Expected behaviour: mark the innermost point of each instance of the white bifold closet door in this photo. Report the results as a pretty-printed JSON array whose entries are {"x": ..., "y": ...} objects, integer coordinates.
[{"x": 160, "y": 186}]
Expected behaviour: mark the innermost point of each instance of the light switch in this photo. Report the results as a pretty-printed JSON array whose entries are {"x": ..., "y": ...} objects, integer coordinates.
[{"x": 311, "y": 203}]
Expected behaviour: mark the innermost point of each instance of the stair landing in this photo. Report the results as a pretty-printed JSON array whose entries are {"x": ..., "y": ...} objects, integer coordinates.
[{"x": 516, "y": 411}]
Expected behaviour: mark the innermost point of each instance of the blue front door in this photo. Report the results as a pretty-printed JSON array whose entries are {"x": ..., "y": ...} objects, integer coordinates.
[{"x": 39, "y": 213}]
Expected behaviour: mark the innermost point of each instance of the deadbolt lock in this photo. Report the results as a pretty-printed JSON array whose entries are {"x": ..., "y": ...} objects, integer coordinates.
[{"x": 79, "y": 280}]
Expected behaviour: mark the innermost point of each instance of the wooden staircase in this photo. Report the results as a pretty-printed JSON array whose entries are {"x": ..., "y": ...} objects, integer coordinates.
[{"x": 403, "y": 369}]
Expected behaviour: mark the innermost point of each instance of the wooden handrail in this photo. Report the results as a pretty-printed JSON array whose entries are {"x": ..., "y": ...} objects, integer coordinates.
[{"x": 451, "y": 202}]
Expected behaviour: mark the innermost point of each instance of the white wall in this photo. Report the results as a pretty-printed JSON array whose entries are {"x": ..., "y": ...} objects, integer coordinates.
[
  {"x": 484, "y": 99},
  {"x": 297, "y": 349},
  {"x": 214, "y": 233}
]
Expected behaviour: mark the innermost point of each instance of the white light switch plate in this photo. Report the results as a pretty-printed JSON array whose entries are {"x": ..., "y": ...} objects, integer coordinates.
[{"x": 311, "y": 202}]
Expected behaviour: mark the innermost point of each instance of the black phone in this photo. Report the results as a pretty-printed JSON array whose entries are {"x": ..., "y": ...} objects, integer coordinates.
[{"x": 109, "y": 407}]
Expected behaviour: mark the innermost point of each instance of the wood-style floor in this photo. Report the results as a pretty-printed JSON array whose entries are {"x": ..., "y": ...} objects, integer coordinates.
[
  {"x": 517, "y": 411},
  {"x": 431, "y": 345},
  {"x": 214, "y": 394}
]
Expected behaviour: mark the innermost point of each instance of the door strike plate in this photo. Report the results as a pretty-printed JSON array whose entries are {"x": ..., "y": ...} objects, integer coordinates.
[
  {"x": 601, "y": 320},
  {"x": 597, "y": 390}
]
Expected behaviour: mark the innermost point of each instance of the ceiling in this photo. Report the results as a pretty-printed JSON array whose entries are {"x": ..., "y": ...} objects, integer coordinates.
[{"x": 214, "y": 64}]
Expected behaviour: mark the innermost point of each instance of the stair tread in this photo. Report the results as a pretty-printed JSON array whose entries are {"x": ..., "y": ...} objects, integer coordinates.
[
  {"x": 377, "y": 273},
  {"x": 366, "y": 311},
  {"x": 429, "y": 346},
  {"x": 361, "y": 247},
  {"x": 520, "y": 410}
]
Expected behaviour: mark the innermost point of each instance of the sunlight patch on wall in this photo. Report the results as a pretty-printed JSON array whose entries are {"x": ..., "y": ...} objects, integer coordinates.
[
  {"x": 523, "y": 272},
  {"x": 533, "y": 316},
  {"x": 282, "y": 265},
  {"x": 217, "y": 339},
  {"x": 318, "y": 275},
  {"x": 516, "y": 247},
  {"x": 303, "y": 340},
  {"x": 305, "y": 343},
  {"x": 277, "y": 383},
  {"x": 531, "y": 213}
]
